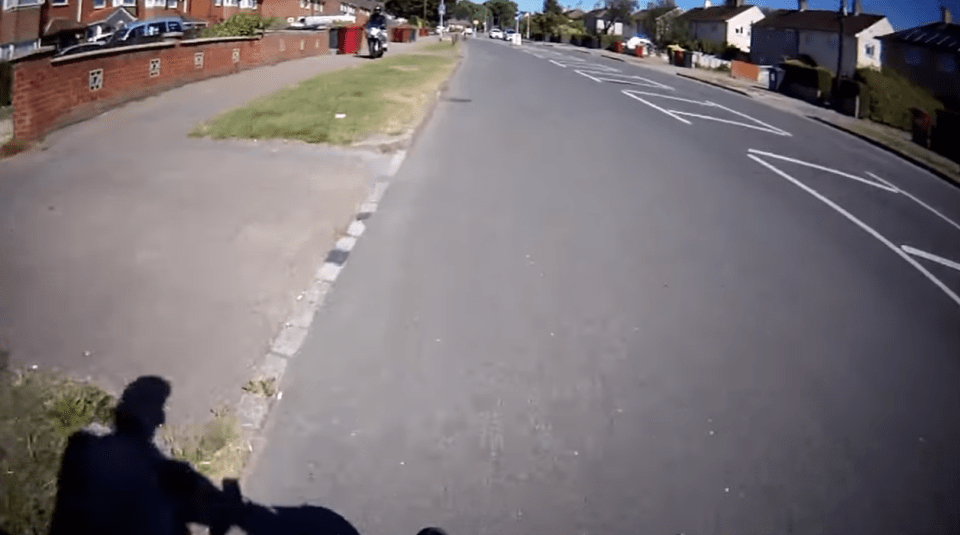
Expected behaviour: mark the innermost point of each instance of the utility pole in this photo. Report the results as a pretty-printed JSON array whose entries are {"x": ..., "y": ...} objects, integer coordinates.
[
  {"x": 836, "y": 79},
  {"x": 528, "y": 26}
]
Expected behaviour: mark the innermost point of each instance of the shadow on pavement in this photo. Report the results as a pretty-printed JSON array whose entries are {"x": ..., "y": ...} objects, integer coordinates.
[{"x": 120, "y": 483}]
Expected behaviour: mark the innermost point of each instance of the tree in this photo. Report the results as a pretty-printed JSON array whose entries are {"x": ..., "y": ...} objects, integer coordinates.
[
  {"x": 552, "y": 17},
  {"x": 467, "y": 10},
  {"x": 619, "y": 11},
  {"x": 424, "y": 9},
  {"x": 503, "y": 12},
  {"x": 662, "y": 30}
]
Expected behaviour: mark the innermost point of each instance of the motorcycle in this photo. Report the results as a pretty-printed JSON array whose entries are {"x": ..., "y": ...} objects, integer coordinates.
[{"x": 376, "y": 41}]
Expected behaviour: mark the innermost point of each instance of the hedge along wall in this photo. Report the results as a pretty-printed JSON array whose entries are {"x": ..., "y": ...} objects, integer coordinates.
[{"x": 49, "y": 93}]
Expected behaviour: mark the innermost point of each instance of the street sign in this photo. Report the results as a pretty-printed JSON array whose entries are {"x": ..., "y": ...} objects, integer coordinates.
[{"x": 442, "y": 8}]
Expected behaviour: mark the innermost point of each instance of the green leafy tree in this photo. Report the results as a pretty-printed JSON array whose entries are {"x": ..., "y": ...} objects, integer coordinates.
[
  {"x": 503, "y": 12},
  {"x": 619, "y": 11},
  {"x": 424, "y": 9},
  {"x": 467, "y": 10}
]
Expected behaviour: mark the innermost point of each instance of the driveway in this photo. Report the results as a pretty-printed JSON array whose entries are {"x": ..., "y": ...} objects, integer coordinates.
[
  {"x": 132, "y": 249},
  {"x": 671, "y": 310}
]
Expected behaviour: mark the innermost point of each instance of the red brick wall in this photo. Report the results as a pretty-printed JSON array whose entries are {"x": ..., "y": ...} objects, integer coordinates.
[
  {"x": 48, "y": 95},
  {"x": 742, "y": 69},
  {"x": 286, "y": 8},
  {"x": 20, "y": 25}
]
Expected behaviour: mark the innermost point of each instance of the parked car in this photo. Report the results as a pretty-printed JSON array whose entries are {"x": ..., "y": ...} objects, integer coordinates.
[
  {"x": 508, "y": 35},
  {"x": 468, "y": 31},
  {"x": 496, "y": 33},
  {"x": 80, "y": 48},
  {"x": 147, "y": 31}
]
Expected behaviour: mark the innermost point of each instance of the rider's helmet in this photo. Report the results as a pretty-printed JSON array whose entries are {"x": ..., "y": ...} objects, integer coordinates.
[{"x": 378, "y": 10}]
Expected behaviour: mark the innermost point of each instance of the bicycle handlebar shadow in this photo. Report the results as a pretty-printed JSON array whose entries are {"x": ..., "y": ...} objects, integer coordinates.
[{"x": 121, "y": 483}]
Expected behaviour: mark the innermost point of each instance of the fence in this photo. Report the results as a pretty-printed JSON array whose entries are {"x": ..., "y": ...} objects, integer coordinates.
[{"x": 50, "y": 92}]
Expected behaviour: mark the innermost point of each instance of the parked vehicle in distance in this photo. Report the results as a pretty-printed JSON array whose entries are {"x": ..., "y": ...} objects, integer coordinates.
[
  {"x": 496, "y": 33},
  {"x": 147, "y": 31},
  {"x": 508, "y": 35},
  {"x": 80, "y": 48},
  {"x": 468, "y": 31}
]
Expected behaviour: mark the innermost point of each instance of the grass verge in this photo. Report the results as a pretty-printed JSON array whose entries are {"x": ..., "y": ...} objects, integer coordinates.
[
  {"x": 949, "y": 169},
  {"x": 384, "y": 96},
  {"x": 40, "y": 410},
  {"x": 38, "y": 413}
]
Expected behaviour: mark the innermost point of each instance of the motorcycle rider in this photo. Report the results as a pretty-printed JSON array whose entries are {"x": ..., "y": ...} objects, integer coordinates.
[{"x": 378, "y": 20}]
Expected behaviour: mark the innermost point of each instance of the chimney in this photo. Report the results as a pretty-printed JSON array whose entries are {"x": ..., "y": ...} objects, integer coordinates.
[
  {"x": 801, "y": 5},
  {"x": 706, "y": 3},
  {"x": 857, "y": 7},
  {"x": 945, "y": 15},
  {"x": 738, "y": 3}
]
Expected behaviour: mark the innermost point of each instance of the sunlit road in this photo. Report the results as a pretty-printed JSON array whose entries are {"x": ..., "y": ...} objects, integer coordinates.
[{"x": 599, "y": 299}]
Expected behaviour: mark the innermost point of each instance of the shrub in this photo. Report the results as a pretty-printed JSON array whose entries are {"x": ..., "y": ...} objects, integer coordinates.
[
  {"x": 814, "y": 77},
  {"x": 6, "y": 83},
  {"x": 239, "y": 25},
  {"x": 891, "y": 96},
  {"x": 607, "y": 41}
]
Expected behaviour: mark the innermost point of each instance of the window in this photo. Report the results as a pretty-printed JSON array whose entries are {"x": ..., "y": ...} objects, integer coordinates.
[
  {"x": 217, "y": 3},
  {"x": 808, "y": 38},
  {"x": 914, "y": 56},
  {"x": 247, "y": 4},
  {"x": 118, "y": 3},
  {"x": 99, "y": 4},
  {"x": 59, "y": 2},
  {"x": 870, "y": 50},
  {"x": 231, "y": 2},
  {"x": 171, "y": 4},
  {"x": 947, "y": 63}
]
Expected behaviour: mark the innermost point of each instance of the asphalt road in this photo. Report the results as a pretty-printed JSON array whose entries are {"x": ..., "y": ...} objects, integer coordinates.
[{"x": 576, "y": 313}]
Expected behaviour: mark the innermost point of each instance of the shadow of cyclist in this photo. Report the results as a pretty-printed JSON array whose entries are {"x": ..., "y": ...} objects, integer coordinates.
[{"x": 120, "y": 483}]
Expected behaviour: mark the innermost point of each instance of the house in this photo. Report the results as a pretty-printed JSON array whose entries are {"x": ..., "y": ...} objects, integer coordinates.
[
  {"x": 929, "y": 56},
  {"x": 817, "y": 35},
  {"x": 574, "y": 14},
  {"x": 598, "y": 21},
  {"x": 655, "y": 21},
  {"x": 727, "y": 24},
  {"x": 25, "y": 25}
]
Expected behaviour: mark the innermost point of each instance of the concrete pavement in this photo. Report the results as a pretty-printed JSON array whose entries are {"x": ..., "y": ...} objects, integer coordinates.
[
  {"x": 669, "y": 311},
  {"x": 132, "y": 249}
]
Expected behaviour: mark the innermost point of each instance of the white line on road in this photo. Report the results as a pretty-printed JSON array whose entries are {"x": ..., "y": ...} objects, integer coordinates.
[
  {"x": 744, "y": 115},
  {"x": 728, "y": 121},
  {"x": 654, "y": 106},
  {"x": 625, "y": 79},
  {"x": 825, "y": 169},
  {"x": 931, "y": 257},
  {"x": 918, "y": 201},
  {"x": 860, "y": 224},
  {"x": 588, "y": 76},
  {"x": 634, "y": 92}
]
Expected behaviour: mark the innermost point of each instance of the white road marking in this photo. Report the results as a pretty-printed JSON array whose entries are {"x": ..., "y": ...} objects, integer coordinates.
[
  {"x": 728, "y": 121},
  {"x": 884, "y": 182},
  {"x": 631, "y": 91},
  {"x": 744, "y": 115},
  {"x": 931, "y": 257},
  {"x": 625, "y": 79},
  {"x": 918, "y": 201},
  {"x": 588, "y": 76},
  {"x": 654, "y": 106},
  {"x": 861, "y": 224},
  {"x": 882, "y": 186}
]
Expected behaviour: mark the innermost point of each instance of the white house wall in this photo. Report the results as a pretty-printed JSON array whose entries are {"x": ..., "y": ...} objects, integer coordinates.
[
  {"x": 714, "y": 32},
  {"x": 770, "y": 45},
  {"x": 868, "y": 39},
  {"x": 739, "y": 28}
]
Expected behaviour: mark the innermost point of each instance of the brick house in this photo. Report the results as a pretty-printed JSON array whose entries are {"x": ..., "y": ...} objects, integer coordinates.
[
  {"x": 728, "y": 24},
  {"x": 929, "y": 56},
  {"x": 816, "y": 33}
]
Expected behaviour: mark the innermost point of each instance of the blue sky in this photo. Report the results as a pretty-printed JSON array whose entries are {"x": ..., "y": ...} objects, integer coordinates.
[{"x": 902, "y": 13}]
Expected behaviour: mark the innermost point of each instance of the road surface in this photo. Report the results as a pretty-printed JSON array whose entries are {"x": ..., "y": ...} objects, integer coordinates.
[{"x": 615, "y": 301}]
